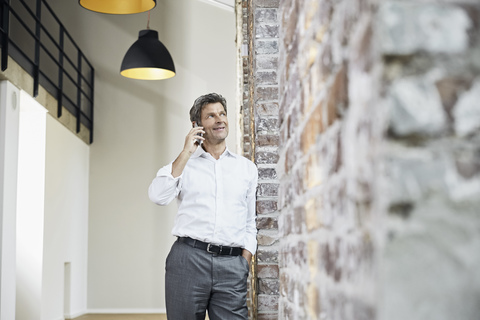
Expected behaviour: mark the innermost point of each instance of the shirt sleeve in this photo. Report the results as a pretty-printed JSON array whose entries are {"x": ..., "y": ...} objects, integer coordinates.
[
  {"x": 164, "y": 188},
  {"x": 251, "y": 229}
]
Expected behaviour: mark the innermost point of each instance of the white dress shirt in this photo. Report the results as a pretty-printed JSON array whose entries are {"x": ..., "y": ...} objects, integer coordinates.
[{"x": 216, "y": 199}]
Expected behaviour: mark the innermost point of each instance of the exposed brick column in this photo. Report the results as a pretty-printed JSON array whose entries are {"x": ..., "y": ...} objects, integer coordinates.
[
  {"x": 266, "y": 153},
  {"x": 259, "y": 34}
]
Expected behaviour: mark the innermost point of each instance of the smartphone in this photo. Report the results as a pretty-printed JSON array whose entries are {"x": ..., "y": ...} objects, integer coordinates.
[{"x": 199, "y": 141}]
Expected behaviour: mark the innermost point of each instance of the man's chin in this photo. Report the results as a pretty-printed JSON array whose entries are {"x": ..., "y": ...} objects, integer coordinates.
[{"x": 219, "y": 137}]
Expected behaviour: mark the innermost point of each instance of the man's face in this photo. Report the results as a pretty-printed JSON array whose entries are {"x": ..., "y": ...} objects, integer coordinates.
[{"x": 214, "y": 121}]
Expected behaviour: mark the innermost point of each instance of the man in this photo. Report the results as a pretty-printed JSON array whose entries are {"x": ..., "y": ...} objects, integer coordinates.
[{"x": 208, "y": 265}]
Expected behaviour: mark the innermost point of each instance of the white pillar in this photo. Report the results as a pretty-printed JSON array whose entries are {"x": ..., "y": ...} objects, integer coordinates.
[
  {"x": 9, "y": 124},
  {"x": 30, "y": 208}
]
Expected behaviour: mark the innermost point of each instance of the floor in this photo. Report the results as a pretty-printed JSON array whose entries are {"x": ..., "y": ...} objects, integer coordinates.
[{"x": 122, "y": 317}]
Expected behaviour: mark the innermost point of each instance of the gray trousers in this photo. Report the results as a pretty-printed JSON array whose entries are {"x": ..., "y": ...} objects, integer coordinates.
[{"x": 196, "y": 281}]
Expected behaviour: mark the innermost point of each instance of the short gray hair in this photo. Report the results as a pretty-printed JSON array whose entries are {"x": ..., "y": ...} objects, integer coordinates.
[{"x": 201, "y": 102}]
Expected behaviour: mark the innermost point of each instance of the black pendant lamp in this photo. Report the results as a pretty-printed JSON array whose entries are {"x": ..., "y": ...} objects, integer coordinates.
[
  {"x": 147, "y": 58},
  {"x": 118, "y": 6}
]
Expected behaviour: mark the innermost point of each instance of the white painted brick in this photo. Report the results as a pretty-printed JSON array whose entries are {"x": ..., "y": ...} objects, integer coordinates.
[
  {"x": 416, "y": 107},
  {"x": 467, "y": 111},
  {"x": 407, "y": 27}
]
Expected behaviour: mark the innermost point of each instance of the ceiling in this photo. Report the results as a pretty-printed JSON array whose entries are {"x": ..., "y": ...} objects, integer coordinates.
[{"x": 224, "y": 4}]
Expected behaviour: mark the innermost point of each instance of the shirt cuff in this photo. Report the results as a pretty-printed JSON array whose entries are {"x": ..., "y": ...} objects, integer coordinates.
[
  {"x": 251, "y": 245},
  {"x": 166, "y": 171}
]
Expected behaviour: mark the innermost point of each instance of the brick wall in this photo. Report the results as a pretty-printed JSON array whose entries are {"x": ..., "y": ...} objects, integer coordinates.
[
  {"x": 370, "y": 110},
  {"x": 430, "y": 251},
  {"x": 379, "y": 160},
  {"x": 330, "y": 135},
  {"x": 259, "y": 37}
]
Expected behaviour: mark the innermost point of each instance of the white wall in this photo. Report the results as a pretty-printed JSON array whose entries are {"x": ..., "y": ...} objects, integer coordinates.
[
  {"x": 30, "y": 208},
  {"x": 66, "y": 221},
  {"x": 140, "y": 126},
  {"x": 48, "y": 228},
  {"x": 9, "y": 123}
]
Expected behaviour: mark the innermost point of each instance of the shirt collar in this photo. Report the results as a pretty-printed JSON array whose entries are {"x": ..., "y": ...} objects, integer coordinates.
[{"x": 200, "y": 152}]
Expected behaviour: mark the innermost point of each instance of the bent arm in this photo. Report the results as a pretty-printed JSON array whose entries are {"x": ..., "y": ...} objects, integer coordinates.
[
  {"x": 167, "y": 184},
  {"x": 164, "y": 187},
  {"x": 189, "y": 148}
]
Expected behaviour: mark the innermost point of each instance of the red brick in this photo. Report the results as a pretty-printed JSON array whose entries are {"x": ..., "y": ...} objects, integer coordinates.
[
  {"x": 266, "y": 94},
  {"x": 266, "y": 239},
  {"x": 268, "y": 140},
  {"x": 266, "y": 223},
  {"x": 267, "y": 271},
  {"x": 267, "y": 3},
  {"x": 267, "y": 302},
  {"x": 337, "y": 101},
  {"x": 266, "y": 206},
  {"x": 313, "y": 129},
  {"x": 267, "y": 62},
  {"x": 267, "y": 316},
  {"x": 268, "y": 286}
]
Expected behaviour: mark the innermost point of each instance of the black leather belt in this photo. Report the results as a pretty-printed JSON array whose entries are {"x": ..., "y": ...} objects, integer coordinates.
[{"x": 212, "y": 248}]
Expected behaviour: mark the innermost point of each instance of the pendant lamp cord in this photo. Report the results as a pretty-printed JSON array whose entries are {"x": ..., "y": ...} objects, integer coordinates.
[{"x": 148, "y": 21}]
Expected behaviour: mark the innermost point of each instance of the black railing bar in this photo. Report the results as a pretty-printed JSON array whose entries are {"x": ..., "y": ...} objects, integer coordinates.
[
  {"x": 38, "y": 20},
  {"x": 66, "y": 56},
  {"x": 30, "y": 64},
  {"x": 76, "y": 69},
  {"x": 27, "y": 28},
  {"x": 26, "y": 6},
  {"x": 34, "y": 36},
  {"x": 20, "y": 50},
  {"x": 5, "y": 36},
  {"x": 58, "y": 64},
  {"x": 51, "y": 81},
  {"x": 66, "y": 32},
  {"x": 45, "y": 76},
  {"x": 19, "y": 19},
  {"x": 79, "y": 95},
  {"x": 60, "y": 74},
  {"x": 33, "y": 15},
  {"x": 91, "y": 107},
  {"x": 38, "y": 32},
  {"x": 82, "y": 113},
  {"x": 47, "y": 51},
  {"x": 78, "y": 87},
  {"x": 76, "y": 107},
  {"x": 79, "y": 72},
  {"x": 54, "y": 59},
  {"x": 76, "y": 46}
]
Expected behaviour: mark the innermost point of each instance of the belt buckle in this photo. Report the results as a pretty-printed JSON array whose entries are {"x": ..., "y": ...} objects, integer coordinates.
[
  {"x": 210, "y": 245},
  {"x": 208, "y": 248}
]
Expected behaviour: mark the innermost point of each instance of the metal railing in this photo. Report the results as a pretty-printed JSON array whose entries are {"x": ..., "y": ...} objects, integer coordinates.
[{"x": 33, "y": 36}]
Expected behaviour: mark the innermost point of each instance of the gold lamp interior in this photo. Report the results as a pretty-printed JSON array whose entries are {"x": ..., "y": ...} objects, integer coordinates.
[
  {"x": 147, "y": 73},
  {"x": 118, "y": 6}
]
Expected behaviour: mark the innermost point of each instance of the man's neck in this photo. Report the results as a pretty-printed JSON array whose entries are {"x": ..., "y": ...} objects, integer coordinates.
[{"x": 216, "y": 150}]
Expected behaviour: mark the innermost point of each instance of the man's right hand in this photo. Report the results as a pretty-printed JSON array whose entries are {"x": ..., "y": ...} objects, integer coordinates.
[
  {"x": 189, "y": 148},
  {"x": 191, "y": 140}
]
